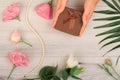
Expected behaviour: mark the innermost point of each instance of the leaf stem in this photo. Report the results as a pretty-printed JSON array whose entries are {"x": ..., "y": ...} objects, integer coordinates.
[
  {"x": 14, "y": 66},
  {"x": 115, "y": 71},
  {"x": 50, "y": 2},
  {"x": 22, "y": 41}
]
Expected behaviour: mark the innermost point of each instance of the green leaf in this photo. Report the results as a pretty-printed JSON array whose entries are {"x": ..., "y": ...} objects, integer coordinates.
[
  {"x": 111, "y": 5},
  {"x": 116, "y": 4},
  {"x": 108, "y": 18},
  {"x": 107, "y": 12},
  {"x": 113, "y": 41},
  {"x": 116, "y": 47},
  {"x": 114, "y": 30},
  {"x": 116, "y": 23},
  {"x": 73, "y": 70},
  {"x": 75, "y": 77},
  {"x": 119, "y": 1},
  {"x": 47, "y": 72},
  {"x": 102, "y": 67},
  {"x": 28, "y": 79},
  {"x": 65, "y": 75},
  {"x": 56, "y": 78},
  {"x": 117, "y": 60},
  {"x": 117, "y": 34},
  {"x": 78, "y": 71}
]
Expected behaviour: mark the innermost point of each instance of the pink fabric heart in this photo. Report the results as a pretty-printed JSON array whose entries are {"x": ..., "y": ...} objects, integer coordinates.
[
  {"x": 44, "y": 10},
  {"x": 11, "y": 12}
]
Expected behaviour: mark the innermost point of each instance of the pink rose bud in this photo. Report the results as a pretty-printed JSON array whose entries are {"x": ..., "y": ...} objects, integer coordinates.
[
  {"x": 11, "y": 12},
  {"x": 18, "y": 59},
  {"x": 44, "y": 10},
  {"x": 17, "y": 38}
]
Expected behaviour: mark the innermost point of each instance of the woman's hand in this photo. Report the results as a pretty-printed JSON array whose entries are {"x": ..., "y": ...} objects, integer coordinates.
[
  {"x": 89, "y": 7},
  {"x": 60, "y": 6}
]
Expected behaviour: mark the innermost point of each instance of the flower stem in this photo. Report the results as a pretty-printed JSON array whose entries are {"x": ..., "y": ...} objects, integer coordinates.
[
  {"x": 14, "y": 66},
  {"x": 115, "y": 71},
  {"x": 22, "y": 41},
  {"x": 18, "y": 18},
  {"x": 50, "y": 2}
]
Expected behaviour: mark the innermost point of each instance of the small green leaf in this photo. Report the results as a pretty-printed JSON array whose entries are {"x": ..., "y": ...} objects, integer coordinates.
[
  {"x": 107, "y": 12},
  {"x": 116, "y": 23},
  {"x": 78, "y": 71},
  {"x": 108, "y": 18},
  {"x": 117, "y": 34},
  {"x": 113, "y": 41},
  {"x": 56, "y": 78},
  {"x": 65, "y": 75},
  {"x": 75, "y": 77},
  {"x": 116, "y": 4},
  {"x": 47, "y": 72},
  {"x": 73, "y": 70},
  {"x": 114, "y": 30}
]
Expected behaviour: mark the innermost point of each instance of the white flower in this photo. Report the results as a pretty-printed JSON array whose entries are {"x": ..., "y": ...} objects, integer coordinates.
[{"x": 72, "y": 62}]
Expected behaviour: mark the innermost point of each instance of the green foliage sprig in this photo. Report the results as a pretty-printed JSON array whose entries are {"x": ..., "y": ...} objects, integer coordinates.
[
  {"x": 113, "y": 33},
  {"x": 109, "y": 69}
]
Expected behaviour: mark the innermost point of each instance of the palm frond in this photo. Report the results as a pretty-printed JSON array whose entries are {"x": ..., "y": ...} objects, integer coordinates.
[
  {"x": 113, "y": 41},
  {"x": 113, "y": 33},
  {"x": 111, "y": 5},
  {"x": 107, "y": 12},
  {"x": 114, "y": 30},
  {"x": 108, "y": 18},
  {"x": 115, "y": 23},
  {"x": 116, "y": 4},
  {"x": 110, "y": 36}
]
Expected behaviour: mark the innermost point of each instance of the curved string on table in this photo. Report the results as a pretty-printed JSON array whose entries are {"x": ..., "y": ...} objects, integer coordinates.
[{"x": 37, "y": 36}]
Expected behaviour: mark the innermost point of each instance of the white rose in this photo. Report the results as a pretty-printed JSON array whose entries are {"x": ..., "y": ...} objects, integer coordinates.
[{"x": 72, "y": 62}]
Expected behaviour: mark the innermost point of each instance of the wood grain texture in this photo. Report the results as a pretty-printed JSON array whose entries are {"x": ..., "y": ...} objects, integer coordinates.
[{"x": 58, "y": 44}]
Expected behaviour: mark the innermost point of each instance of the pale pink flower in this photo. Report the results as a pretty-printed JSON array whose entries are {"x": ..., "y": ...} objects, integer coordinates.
[
  {"x": 11, "y": 12},
  {"x": 17, "y": 38},
  {"x": 44, "y": 10},
  {"x": 18, "y": 58}
]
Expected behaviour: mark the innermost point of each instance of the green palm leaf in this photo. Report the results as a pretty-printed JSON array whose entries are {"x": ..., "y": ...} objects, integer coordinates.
[
  {"x": 114, "y": 30},
  {"x": 111, "y": 36},
  {"x": 116, "y": 4},
  {"x": 118, "y": 46},
  {"x": 108, "y": 18},
  {"x": 115, "y": 23},
  {"x": 113, "y": 41},
  {"x": 113, "y": 33},
  {"x": 111, "y": 5},
  {"x": 107, "y": 12}
]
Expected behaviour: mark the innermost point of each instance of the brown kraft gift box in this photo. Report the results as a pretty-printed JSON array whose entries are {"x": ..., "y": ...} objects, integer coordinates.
[{"x": 70, "y": 21}]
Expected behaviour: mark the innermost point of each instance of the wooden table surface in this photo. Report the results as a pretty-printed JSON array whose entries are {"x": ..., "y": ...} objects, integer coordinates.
[{"x": 59, "y": 45}]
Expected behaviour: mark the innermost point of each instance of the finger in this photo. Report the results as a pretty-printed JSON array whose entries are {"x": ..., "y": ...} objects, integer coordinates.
[{"x": 60, "y": 7}]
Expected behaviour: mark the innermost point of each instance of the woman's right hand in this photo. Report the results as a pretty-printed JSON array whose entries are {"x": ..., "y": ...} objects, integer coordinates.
[{"x": 60, "y": 6}]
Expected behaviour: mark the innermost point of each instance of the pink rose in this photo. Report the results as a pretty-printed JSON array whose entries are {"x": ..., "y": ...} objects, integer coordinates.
[
  {"x": 11, "y": 12},
  {"x": 18, "y": 58},
  {"x": 44, "y": 10}
]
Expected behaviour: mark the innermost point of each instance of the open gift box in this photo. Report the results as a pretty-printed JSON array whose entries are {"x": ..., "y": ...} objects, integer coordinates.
[{"x": 70, "y": 21}]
